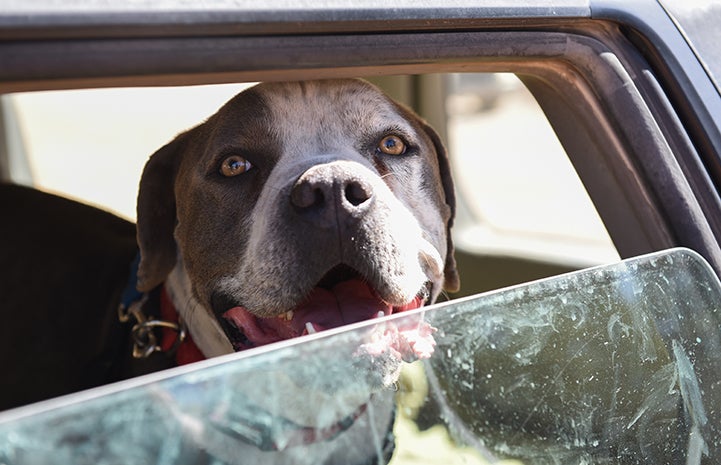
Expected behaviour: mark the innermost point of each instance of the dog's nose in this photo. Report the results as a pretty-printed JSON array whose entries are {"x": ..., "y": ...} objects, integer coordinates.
[{"x": 328, "y": 193}]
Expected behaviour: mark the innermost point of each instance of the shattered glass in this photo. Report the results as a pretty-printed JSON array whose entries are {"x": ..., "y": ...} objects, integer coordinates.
[{"x": 616, "y": 364}]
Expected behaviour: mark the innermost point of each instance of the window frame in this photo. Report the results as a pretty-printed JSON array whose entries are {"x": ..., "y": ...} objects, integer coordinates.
[{"x": 643, "y": 162}]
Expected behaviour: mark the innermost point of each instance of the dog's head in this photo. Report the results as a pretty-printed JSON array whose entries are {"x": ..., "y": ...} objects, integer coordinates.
[{"x": 300, "y": 206}]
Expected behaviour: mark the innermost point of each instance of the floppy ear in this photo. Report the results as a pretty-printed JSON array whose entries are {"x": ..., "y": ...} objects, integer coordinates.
[
  {"x": 451, "y": 282},
  {"x": 157, "y": 215}
]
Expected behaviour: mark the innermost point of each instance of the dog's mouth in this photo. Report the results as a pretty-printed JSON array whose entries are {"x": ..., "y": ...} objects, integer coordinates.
[{"x": 341, "y": 297}]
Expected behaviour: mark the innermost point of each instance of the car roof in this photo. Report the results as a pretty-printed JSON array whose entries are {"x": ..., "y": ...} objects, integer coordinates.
[{"x": 47, "y": 18}]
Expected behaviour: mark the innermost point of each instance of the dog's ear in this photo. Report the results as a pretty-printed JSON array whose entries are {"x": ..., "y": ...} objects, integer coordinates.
[
  {"x": 157, "y": 215},
  {"x": 451, "y": 282}
]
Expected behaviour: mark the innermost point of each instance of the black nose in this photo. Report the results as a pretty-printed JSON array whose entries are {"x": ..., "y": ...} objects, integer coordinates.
[{"x": 327, "y": 194}]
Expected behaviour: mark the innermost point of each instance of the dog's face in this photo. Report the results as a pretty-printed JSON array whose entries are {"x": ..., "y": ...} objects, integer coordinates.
[{"x": 300, "y": 206}]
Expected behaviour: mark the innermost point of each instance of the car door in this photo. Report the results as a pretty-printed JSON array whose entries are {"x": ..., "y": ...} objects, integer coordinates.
[{"x": 633, "y": 106}]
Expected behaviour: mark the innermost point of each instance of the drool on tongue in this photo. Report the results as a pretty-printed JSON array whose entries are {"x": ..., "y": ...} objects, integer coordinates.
[{"x": 348, "y": 302}]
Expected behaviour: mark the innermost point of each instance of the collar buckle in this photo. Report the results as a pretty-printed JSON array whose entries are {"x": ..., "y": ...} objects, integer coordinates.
[{"x": 145, "y": 340}]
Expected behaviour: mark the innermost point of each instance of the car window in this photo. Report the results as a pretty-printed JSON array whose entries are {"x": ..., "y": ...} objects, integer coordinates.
[
  {"x": 520, "y": 196},
  {"x": 521, "y": 192},
  {"x": 615, "y": 364}
]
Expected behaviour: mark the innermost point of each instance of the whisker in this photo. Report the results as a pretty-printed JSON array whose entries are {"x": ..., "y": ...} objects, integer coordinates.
[{"x": 445, "y": 296}]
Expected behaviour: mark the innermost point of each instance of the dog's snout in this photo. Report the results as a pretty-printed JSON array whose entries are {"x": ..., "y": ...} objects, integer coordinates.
[{"x": 328, "y": 192}]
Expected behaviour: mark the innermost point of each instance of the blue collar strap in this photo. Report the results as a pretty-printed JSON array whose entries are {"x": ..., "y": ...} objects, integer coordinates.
[{"x": 131, "y": 293}]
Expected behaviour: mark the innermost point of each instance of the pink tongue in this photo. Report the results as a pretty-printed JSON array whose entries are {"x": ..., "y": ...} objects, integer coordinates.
[{"x": 348, "y": 302}]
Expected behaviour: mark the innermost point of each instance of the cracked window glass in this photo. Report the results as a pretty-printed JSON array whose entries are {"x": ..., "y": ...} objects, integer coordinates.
[{"x": 615, "y": 364}]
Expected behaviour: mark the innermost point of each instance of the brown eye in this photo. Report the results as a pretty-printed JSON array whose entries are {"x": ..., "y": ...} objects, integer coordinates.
[
  {"x": 392, "y": 145},
  {"x": 234, "y": 165}
]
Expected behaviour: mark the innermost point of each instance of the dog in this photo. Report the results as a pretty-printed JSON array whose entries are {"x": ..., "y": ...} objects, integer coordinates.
[{"x": 297, "y": 207}]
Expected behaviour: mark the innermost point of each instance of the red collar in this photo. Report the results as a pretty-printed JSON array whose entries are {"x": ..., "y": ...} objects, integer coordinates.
[{"x": 187, "y": 351}]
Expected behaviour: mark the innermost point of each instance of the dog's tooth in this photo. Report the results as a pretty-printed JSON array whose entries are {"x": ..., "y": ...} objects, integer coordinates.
[
  {"x": 287, "y": 316},
  {"x": 309, "y": 327},
  {"x": 380, "y": 314}
]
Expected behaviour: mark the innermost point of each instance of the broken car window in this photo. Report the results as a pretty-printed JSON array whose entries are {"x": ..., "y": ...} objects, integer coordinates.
[{"x": 615, "y": 364}]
